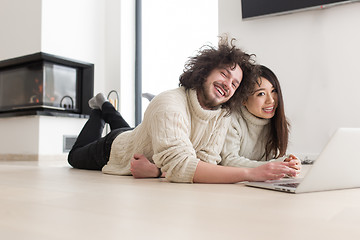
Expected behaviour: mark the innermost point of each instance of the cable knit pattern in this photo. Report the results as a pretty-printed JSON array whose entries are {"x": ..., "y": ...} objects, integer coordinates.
[
  {"x": 246, "y": 140},
  {"x": 175, "y": 134}
]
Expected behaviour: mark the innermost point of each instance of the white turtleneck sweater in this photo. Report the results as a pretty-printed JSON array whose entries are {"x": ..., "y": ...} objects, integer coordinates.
[
  {"x": 246, "y": 140},
  {"x": 175, "y": 134}
]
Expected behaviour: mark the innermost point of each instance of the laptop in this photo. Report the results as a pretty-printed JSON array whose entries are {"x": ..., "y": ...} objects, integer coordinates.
[{"x": 337, "y": 167}]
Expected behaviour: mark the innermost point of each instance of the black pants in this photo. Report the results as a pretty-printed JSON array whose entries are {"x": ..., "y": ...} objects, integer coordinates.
[{"x": 91, "y": 151}]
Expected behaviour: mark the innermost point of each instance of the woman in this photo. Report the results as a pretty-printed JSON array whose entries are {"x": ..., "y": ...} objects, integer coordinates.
[{"x": 258, "y": 134}]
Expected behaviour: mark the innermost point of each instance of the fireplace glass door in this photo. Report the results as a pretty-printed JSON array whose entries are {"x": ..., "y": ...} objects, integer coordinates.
[{"x": 39, "y": 85}]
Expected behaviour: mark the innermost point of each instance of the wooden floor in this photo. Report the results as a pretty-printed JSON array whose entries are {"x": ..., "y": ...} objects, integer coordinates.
[{"x": 50, "y": 200}]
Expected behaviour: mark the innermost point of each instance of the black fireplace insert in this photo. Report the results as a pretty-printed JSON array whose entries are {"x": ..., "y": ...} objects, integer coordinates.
[{"x": 45, "y": 84}]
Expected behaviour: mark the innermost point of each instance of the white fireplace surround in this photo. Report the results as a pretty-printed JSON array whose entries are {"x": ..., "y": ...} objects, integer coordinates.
[{"x": 34, "y": 137}]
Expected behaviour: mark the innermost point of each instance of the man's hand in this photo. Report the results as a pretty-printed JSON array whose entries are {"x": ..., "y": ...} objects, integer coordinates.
[{"x": 141, "y": 167}]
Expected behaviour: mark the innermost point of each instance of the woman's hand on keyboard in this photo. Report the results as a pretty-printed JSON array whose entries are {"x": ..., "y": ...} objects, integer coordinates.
[
  {"x": 273, "y": 171},
  {"x": 296, "y": 163}
]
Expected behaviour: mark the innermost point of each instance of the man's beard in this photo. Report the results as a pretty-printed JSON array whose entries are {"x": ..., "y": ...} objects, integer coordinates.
[{"x": 208, "y": 101}]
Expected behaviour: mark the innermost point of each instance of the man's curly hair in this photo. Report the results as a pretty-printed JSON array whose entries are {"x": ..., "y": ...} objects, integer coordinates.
[{"x": 199, "y": 67}]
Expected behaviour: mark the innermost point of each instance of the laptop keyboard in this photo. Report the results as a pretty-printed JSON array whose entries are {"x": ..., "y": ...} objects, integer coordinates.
[{"x": 293, "y": 185}]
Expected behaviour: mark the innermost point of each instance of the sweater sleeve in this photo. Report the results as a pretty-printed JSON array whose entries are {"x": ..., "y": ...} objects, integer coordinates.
[
  {"x": 173, "y": 150},
  {"x": 210, "y": 152},
  {"x": 234, "y": 143},
  {"x": 230, "y": 152},
  {"x": 183, "y": 133}
]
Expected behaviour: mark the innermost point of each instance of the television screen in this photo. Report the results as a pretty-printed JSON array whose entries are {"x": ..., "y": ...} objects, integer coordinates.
[{"x": 257, "y": 8}]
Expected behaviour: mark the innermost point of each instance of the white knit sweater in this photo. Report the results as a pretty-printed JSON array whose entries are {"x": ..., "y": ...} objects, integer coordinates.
[
  {"x": 176, "y": 133},
  {"x": 246, "y": 139}
]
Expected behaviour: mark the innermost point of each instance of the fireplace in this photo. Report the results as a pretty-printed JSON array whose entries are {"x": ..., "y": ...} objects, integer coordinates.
[{"x": 44, "y": 84}]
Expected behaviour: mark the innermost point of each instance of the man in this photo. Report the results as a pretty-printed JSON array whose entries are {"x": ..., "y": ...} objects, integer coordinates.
[{"x": 183, "y": 130}]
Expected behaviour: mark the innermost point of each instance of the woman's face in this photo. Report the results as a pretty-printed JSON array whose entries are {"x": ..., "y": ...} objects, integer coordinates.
[{"x": 264, "y": 101}]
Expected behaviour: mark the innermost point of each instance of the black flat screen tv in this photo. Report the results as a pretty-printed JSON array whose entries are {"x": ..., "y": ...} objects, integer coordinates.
[{"x": 259, "y": 8}]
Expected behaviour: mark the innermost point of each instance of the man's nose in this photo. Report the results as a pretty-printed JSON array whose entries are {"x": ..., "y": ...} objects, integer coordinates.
[{"x": 227, "y": 84}]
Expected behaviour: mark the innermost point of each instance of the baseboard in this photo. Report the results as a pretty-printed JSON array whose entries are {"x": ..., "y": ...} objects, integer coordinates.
[{"x": 32, "y": 157}]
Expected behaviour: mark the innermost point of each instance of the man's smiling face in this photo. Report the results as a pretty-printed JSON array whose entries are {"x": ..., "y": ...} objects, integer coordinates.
[{"x": 219, "y": 86}]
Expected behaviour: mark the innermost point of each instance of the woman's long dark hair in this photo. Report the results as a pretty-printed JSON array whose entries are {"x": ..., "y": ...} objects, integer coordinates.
[
  {"x": 279, "y": 134},
  {"x": 199, "y": 67}
]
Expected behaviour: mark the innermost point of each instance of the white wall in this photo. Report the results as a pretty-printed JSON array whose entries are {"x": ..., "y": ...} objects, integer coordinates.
[
  {"x": 315, "y": 56},
  {"x": 75, "y": 29},
  {"x": 86, "y": 30},
  {"x": 99, "y": 32},
  {"x": 20, "y": 24}
]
